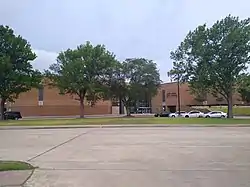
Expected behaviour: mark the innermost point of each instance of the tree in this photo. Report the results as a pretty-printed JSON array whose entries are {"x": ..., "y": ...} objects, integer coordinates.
[
  {"x": 214, "y": 57},
  {"x": 83, "y": 72},
  {"x": 179, "y": 70},
  {"x": 196, "y": 84},
  {"x": 16, "y": 72},
  {"x": 243, "y": 87},
  {"x": 133, "y": 80},
  {"x": 178, "y": 73}
]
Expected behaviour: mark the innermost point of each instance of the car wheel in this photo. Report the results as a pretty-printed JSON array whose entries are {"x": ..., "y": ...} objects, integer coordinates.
[
  {"x": 186, "y": 116},
  {"x": 173, "y": 116},
  {"x": 207, "y": 116},
  {"x": 223, "y": 116}
]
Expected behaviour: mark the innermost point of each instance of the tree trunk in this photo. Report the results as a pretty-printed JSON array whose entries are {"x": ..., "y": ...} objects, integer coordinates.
[
  {"x": 2, "y": 108},
  {"x": 121, "y": 108},
  {"x": 127, "y": 110},
  {"x": 150, "y": 104},
  {"x": 230, "y": 106},
  {"x": 81, "y": 107},
  {"x": 179, "y": 97}
]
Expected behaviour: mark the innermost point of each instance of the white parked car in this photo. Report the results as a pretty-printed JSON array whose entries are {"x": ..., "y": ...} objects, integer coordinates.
[
  {"x": 216, "y": 114},
  {"x": 176, "y": 114},
  {"x": 194, "y": 114}
]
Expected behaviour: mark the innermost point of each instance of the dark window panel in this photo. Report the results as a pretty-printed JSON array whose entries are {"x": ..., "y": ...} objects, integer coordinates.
[
  {"x": 163, "y": 96},
  {"x": 40, "y": 94}
]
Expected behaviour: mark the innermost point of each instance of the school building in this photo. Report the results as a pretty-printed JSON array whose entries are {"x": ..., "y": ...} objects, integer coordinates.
[{"x": 48, "y": 102}]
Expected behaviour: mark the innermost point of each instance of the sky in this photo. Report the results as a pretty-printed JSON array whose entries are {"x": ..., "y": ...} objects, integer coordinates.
[{"x": 128, "y": 28}]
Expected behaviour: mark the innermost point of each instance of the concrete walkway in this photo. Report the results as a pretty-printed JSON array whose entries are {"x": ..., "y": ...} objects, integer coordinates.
[
  {"x": 102, "y": 116},
  {"x": 14, "y": 178},
  {"x": 86, "y": 116},
  {"x": 132, "y": 157},
  {"x": 120, "y": 126}
]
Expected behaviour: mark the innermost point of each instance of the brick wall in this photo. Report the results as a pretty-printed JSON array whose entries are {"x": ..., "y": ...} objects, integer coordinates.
[
  {"x": 55, "y": 104},
  {"x": 186, "y": 99}
]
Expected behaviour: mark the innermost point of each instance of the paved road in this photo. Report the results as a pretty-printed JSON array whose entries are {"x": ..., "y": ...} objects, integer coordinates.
[
  {"x": 132, "y": 157},
  {"x": 102, "y": 116},
  {"x": 86, "y": 116}
]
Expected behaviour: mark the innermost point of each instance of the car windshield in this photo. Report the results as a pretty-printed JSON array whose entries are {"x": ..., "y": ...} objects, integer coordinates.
[
  {"x": 182, "y": 112},
  {"x": 10, "y": 112},
  {"x": 194, "y": 112}
]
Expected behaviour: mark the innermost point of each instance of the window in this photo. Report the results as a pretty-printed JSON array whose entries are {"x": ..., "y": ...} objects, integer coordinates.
[
  {"x": 163, "y": 96},
  {"x": 40, "y": 94},
  {"x": 194, "y": 112},
  {"x": 171, "y": 94}
]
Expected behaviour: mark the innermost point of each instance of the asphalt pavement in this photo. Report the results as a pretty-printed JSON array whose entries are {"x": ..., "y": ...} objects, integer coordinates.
[
  {"x": 134, "y": 157},
  {"x": 102, "y": 116}
]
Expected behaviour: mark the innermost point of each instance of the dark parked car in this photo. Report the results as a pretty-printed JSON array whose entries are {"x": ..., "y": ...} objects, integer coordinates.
[
  {"x": 162, "y": 114},
  {"x": 12, "y": 115}
]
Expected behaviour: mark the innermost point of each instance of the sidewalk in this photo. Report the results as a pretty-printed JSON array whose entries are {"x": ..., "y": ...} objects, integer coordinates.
[
  {"x": 86, "y": 116},
  {"x": 14, "y": 178},
  {"x": 120, "y": 126}
]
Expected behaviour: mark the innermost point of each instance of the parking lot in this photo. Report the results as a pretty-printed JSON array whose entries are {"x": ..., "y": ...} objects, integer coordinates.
[{"x": 160, "y": 157}]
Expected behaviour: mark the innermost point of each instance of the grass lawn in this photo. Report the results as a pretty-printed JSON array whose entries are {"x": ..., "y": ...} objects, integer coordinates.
[
  {"x": 14, "y": 165},
  {"x": 110, "y": 121}
]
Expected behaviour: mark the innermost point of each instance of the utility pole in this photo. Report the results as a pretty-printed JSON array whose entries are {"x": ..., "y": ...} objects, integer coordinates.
[
  {"x": 179, "y": 98},
  {"x": 121, "y": 106}
]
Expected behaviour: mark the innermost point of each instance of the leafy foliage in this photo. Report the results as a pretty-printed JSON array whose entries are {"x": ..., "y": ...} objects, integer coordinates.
[
  {"x": 214, "y": 57},
  {"x": 16, "y": 72},
  {"x": 179, "y": 70},
  {"x": 244, "y": 87},
  {"x": 83, "y": 72},
  {"x": 135, "y": 79}
]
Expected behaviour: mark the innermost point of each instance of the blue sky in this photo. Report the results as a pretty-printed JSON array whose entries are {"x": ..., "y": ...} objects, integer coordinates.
[{"x": 129, "y": 28}]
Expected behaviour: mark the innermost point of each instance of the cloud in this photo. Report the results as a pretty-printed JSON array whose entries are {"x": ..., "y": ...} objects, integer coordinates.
[
  {"x": 129, "y": 28},
  {"x": 44, "y": 59}
]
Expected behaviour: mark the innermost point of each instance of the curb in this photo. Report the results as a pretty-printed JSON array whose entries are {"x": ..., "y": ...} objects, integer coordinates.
[
  {"x": 24, "y": 182},
  {"x": 121, "y": 126}
]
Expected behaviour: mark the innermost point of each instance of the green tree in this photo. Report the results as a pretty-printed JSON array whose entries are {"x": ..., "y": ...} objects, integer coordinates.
[
  {"x": 16, "y": 72},
  {"x": 179, "y": 73},
  {"x": 83, "y": 72},
  {"x": 214, "y": 57},
  {"x": 243, "y": 87},
  {"x": 135, "y": 79},
  {"x": 196, "y": 84}
]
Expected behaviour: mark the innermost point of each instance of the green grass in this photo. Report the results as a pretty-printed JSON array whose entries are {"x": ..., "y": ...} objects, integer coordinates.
[
  {"x": 237, "y": 110},
  {"x": 14, "y": 165},
  {"x": 110, "y": 121}
]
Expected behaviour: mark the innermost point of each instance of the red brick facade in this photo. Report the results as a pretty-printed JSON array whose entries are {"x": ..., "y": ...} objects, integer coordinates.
[
  {"x": 55, "y": 104},
  {"x": 186, "y": 99}
]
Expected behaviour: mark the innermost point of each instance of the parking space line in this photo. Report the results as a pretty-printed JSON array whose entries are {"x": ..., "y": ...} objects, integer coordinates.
[{"x": 59, "y": 145}]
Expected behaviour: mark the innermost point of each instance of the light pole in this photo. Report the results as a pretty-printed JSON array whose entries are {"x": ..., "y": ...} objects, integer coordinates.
[{"x": 178, "y": 92}]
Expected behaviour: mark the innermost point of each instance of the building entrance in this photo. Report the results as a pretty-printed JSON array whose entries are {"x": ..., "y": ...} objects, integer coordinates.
[{"x": 172, "y": 109}]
